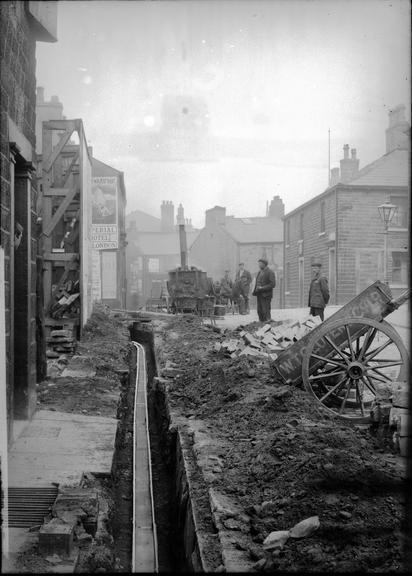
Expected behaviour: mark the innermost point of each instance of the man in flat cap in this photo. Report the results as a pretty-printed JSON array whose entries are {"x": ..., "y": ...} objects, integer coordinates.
[
  {"x": 265, "y": 282},
  {"x": 318, "y": 292}
]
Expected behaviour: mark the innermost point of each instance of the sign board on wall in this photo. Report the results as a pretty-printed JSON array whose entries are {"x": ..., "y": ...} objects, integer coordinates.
[
  {"x": 104, "y": 213},
  {"x": 109, "y": 275},
  {"x": 97, "y": 279}
]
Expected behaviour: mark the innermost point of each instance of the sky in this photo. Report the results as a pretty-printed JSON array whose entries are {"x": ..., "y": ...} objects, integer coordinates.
[{"x": 279, "y": 71}]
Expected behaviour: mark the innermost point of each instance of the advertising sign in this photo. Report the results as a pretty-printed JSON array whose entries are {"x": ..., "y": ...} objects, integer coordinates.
[
  {"x": 97, "y": 280},
  {"x": 104, "y": 213},
  {"x": 109, "y": 275}
]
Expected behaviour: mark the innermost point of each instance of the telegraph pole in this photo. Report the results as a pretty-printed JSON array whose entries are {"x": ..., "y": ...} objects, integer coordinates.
[{"x": 329, "y": 157}]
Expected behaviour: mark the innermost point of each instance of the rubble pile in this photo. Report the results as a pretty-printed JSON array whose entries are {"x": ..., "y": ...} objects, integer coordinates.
[
  {"x": 66, "y": 301},
  {"x": 60, "y": 341},
  {"x": 269, "y": 340},
  {"x": 308, "y": 493}
]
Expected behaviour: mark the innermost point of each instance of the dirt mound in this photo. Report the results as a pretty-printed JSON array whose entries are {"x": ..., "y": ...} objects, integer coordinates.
[{"x": 285, "y": 461}]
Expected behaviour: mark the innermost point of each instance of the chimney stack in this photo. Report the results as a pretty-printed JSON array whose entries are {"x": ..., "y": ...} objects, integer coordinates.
[
  {"x": 349, "y": 167},
  {"x": 276, "y": 208},
  {"x": 334, "y": 176},
  {"x": 346, "y": 152},
  {"x": 167, "y": 211},
  {"x": 215, "y": 216},
  {"x": 40, "y": 95},
  {"x": 396, "y": 134}
]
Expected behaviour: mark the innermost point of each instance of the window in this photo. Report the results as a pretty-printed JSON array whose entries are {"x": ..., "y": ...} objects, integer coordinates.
[
  {"x": 322, "y": 216},
  {"x": 153, "y": 265},
  {"x": 266, "y": 252},
  {"x": 400, "y": 268},
  {"x": 400, "y": 220},
  {"x": 301, "y": 227},
  {"x": 287, "y": 231}
]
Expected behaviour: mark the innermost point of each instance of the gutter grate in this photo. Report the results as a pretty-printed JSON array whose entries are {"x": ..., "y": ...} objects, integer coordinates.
[{"x": 29, "y": 506}]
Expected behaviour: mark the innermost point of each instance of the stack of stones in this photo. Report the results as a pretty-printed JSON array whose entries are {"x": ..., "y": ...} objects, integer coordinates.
[{"x": 60, "y": 341}]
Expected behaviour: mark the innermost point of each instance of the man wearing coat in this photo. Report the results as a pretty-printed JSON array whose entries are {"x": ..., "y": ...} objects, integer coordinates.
[
  {"x": 318, "y": 292},
  {"x": 265, "y": 282},
  {"x": 242, "y": 285}
]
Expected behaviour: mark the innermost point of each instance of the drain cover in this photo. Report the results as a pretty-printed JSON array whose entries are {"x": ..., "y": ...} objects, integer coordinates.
[{"x": 29, "y": 506}]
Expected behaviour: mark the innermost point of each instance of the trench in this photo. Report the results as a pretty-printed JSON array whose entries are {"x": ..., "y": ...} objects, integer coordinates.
[{"x": 177, "y": 545}]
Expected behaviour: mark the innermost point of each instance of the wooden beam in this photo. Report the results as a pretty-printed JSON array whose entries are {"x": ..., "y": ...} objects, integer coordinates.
[
  {"x": 60, "y": 256},
  {"x": 64, "y": 138},
  {"x": 60, "y": 211},
  {"x": 56, "y": 192},
  {"x": 60, "y": 124},
  {"x": 70, "y": 167}
]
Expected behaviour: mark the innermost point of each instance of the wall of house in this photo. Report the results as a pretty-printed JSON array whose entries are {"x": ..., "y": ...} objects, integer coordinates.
[
  {"x": 361, "y": 242},
  {"x": 316, "y": 242},
  {"x": 17, "y": 101},
  {"x": 214, "y": 251},
  {"x": 250, "y": 254},
  {"x": 353, "y": 232}
]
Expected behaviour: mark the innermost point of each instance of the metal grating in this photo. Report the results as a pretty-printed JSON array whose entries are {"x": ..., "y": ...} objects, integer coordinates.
[{"x": 29, "y": 506}]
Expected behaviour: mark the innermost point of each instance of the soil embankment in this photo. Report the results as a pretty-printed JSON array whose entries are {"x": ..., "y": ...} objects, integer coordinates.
[{"x": 278, "y": 461}]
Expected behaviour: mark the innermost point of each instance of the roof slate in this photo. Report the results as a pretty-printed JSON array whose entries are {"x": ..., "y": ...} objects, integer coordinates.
[
  {"x": 163, "y": 244},
  {"x": 392, "y": 169},
  {"x": 252, "y": 230}
]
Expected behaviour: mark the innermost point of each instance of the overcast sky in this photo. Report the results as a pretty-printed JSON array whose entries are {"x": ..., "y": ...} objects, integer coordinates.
[{"x": 281, "y": 70}]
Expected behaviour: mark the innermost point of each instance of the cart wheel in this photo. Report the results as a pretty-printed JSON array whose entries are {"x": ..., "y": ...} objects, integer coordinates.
[{"x": 348, "y": 362}]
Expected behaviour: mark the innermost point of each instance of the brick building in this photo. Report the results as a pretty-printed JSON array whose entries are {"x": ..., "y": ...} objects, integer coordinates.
[
  {"x": 225, "y": 241},
  {"x": 22, "y": 24},
  {"x": 153, "y": 249},
  {"x": 343, "y": 229}
]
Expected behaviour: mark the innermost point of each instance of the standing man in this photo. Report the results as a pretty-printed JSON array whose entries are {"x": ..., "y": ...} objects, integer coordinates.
[
  {"x": 226, "y": 287},
  {"x": 242, "y": 283},
  {"x": 265, "y": 282},
  {"x": 318, "y": 292}
]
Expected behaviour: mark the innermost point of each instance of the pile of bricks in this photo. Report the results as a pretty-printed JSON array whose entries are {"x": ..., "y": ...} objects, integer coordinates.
[
  {"x": 61, "y": 341},
  {"x": 268, "y": 341}
]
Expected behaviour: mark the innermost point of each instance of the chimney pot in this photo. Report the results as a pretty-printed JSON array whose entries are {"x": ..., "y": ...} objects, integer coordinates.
[{"x": 353, "y": 153}]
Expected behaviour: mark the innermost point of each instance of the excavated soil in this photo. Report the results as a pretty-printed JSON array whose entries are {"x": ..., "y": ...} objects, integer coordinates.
[
  {"x": 284, "y": 461},
  {"x": 105, "y": 344}
]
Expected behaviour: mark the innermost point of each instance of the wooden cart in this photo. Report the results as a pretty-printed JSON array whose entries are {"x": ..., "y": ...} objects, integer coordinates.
[{"x": 349, "y": 360}]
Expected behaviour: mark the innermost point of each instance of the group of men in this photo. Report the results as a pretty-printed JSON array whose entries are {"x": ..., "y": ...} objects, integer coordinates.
[{"x": 263, "y": 285}]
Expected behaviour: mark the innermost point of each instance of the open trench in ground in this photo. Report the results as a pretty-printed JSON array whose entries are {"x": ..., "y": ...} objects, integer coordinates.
[
  {"x": 274, "y": 463},
  {"x": 186, "y": 535}
]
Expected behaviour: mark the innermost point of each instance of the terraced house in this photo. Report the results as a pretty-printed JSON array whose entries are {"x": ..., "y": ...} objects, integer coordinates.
[
  {"x": 22, "y": 25},
  {"x": 342, "y": 226}
]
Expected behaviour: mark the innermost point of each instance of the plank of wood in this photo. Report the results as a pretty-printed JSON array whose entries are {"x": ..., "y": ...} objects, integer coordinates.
[
  {"x": 60, "y": 211},
  {"x": 60, "y": 256},
  {"x": 64, "y": 138}
]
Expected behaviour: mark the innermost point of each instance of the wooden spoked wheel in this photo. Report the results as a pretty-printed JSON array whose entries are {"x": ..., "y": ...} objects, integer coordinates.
[{"x": 348, "y": 362}]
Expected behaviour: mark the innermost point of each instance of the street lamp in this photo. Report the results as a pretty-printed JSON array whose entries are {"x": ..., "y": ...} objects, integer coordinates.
[{"x": 386, "y": 211}]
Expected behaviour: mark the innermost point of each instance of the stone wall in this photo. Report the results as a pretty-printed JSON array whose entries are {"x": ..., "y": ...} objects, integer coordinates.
[{"x": 17, "y": 101}]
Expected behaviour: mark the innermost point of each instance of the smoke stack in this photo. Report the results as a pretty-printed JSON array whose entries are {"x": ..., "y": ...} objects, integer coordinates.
[{"x": 183, "y": 246}]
